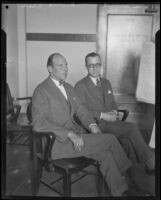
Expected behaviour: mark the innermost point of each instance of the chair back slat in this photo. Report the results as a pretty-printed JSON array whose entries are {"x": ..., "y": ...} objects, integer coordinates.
[{"x": 9, "y": 96}]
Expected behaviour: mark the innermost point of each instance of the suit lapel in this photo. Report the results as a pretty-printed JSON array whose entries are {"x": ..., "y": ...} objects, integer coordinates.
[
  {"x": 104, "y": 89},
  {"x": 69, "y": 95},
  {"x": 58, "y": 94},
  {"x": 92, "y": 89}
]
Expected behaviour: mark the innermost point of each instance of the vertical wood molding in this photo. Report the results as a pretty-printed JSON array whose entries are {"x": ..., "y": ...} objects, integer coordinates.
[
  {"x": 101, "y": 36},
  {"x": 22, "y": 65}
]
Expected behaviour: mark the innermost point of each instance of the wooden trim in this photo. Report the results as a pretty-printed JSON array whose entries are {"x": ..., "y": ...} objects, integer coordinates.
[{"x": 61, "y": 37}]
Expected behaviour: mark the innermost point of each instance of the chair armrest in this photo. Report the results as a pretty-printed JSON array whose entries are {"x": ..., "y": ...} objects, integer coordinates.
[
  {"x": 50, "y": 136},
  {"x": 23, "y": 98},
  {"x": 125, "y": 113}
]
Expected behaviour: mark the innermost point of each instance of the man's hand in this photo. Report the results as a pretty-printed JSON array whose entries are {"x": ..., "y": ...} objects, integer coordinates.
[
  {"x": 77, "y": 140},
  {"x": 94, "y": 129},
  {"x": 109, "y": 116}
]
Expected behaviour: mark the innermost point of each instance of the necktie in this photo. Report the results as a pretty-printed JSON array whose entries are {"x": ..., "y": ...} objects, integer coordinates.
[
  {"x": 97, "y": 82},
  {"x": 61, "y": 82}
]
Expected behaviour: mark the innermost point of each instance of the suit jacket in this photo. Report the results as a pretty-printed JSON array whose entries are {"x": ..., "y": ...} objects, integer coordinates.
[
  {"x": 51, "y": 113},
  {"x": 91, "y": 99}
]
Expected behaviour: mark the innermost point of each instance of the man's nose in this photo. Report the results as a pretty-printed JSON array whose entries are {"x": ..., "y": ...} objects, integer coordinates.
[{"x": 65, "y": 68}]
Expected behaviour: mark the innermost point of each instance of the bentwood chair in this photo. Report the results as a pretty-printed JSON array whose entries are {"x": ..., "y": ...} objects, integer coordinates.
[{"x": 65, "y": 167}]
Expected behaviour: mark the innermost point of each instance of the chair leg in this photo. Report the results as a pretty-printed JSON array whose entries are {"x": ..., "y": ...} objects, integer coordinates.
[
  {"x": 31, "y": 147},
  {"x": 36, "y": 176},
  {"x": 99, "y": 181},
  {"x": 67, "y": 185},
  {"x": 16, "y": 113},
  {"x": 10, "y": 137}
]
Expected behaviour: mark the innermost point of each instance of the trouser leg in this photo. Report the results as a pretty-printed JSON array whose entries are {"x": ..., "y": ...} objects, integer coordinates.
[
  {"x": 113, "y": 161},
  {"x": 142, "y": 149},
  {"x": 130, "y": 131},
  {"x": 115, "y": 181},
  {"x": 129, "y": 149}
]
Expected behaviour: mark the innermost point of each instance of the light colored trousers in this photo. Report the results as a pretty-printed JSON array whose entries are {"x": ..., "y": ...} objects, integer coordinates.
[{"x": 106, "y": 149}]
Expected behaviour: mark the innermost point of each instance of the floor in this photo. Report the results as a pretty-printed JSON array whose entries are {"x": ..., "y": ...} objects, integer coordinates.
[{"x": 18, "y": 176}]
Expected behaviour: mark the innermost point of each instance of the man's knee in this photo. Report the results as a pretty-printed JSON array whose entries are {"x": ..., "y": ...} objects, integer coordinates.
[
  {"x": 111, "y": 137},
  {"x": 133, "y": 129}
]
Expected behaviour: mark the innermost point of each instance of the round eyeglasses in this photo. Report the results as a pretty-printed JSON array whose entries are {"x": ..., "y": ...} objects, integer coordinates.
[{"x": 92, "y": 66}]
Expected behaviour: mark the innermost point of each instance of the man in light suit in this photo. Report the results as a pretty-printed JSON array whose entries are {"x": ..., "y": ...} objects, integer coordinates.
[
  {"x": 54, "y": 104},
  {"x": 96, "y": 94}
]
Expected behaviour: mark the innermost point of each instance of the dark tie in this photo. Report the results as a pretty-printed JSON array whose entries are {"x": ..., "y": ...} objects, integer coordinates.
[
  {"x": 100, "y": 88},
  {"x": 98, "y": 82},
  {"x": 61, "y": 82}
]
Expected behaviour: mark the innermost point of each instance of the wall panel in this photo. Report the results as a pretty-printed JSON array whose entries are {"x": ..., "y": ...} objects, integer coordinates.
[{"x": 37, "y": 55}]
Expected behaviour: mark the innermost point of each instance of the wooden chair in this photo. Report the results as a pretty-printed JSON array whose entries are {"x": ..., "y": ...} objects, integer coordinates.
[
  {"x": 12, "y": 109},
  {"x": 66, "y": 167},
  {"x": 125, "y": 113},
  {"x": 12, "y": 114}
]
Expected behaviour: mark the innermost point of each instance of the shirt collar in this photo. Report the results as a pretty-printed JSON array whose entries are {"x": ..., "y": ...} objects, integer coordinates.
[
  {"x": 94, "y": 80},
  {"x": 55, "y": 81}
]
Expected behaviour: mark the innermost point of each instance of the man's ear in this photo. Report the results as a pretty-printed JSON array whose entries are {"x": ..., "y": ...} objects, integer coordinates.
[{"x": 49, "y": 68}]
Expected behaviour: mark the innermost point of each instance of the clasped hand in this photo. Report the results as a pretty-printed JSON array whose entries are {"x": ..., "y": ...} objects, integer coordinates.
[
  {"x": 95, "y": 129},
  {"x": 77, "y": 140},
  {"x": 110, "y": 116}
]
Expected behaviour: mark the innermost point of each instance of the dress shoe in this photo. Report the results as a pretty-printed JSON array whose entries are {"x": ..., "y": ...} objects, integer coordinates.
[{"x": 135, "y": 192}]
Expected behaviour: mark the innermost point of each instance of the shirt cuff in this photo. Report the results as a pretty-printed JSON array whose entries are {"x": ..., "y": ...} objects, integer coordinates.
[
  {"x": 101, "y": 116},
  {"x": 93, "y": 124}
]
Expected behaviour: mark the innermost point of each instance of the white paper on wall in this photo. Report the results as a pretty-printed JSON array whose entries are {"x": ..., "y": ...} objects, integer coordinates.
[{"x": 145, "y": 90}]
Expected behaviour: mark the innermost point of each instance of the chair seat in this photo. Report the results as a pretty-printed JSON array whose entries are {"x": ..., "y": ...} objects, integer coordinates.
[
  {"x": 73, "y": 163},
  {"x": 14, "y": 127},
  {"x": 70, "y": 163}
]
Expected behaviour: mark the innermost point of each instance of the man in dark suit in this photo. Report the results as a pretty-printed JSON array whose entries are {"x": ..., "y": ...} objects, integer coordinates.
[
  {"x": 96, "y": 94},
  {"x": 54, "y": 104}
]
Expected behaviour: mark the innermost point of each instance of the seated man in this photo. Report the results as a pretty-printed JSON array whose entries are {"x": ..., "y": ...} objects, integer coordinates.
[
  {"x": 96, "y": 94},
  {"x": 53, "y": 105}
]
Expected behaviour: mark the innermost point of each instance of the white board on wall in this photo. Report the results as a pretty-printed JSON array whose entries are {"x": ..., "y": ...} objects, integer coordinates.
[{"x": 145, "y": 91}]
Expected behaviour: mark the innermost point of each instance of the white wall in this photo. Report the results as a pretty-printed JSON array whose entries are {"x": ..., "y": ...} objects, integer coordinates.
[
  {"x": 62, "y": 18},
  {"x": 38, "y": 53},
  {"x": 58, "y": 19},
  {"x": 26, "y": 60}
]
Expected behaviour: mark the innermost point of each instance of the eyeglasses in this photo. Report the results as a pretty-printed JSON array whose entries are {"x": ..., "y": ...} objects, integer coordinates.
[{"x": 92, "y": 66}]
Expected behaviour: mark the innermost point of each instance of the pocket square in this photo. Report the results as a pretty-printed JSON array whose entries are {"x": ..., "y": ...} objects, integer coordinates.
[{"x": 109, "y": 92}]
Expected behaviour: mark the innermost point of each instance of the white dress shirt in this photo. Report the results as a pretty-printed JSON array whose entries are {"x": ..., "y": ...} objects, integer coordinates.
[
  {"x": 94, "y": 80},
  {"x": 61, "y": 87}
]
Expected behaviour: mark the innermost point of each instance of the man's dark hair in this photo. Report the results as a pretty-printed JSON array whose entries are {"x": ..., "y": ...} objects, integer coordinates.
[
  {"x": 93, "y": 54},
  {"x": 50, "y": 58}
]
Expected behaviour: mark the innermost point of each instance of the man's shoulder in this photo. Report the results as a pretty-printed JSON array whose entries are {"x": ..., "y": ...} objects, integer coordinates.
[
  {"x": 82, "y": 82},
  {"x": 68, "y": 85},
  {"x": 42, "y": 85},
  {"x": 105, "y": 80}
]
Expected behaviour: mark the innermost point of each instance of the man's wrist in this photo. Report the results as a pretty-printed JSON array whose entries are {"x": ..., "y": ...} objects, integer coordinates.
[
  {"x": 91, "y": 125},
  {"x": 101, "y": 115},
  {"x": 69, "y": 135},
  {"x": 115, "y": 111}
]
